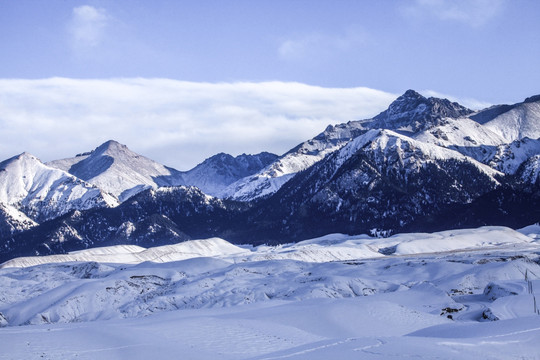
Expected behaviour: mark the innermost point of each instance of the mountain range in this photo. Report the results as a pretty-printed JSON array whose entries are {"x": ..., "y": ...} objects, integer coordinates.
[{"x": 424, "y": 164}]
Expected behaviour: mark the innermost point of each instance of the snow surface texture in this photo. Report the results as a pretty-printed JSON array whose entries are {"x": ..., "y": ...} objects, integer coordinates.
[{"x": 463, "y": 293}]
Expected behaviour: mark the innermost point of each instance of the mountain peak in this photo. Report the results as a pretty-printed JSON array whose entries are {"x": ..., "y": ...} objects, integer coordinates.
[
  {"x": 110, "y": 146},
  {"x": 214, "y": 174},
  {"x": 25, "y": 157},
  {"x": 534, "y": 98},
  {"x": 412, "y": 94},
  {"x": 412, "y": 112}
]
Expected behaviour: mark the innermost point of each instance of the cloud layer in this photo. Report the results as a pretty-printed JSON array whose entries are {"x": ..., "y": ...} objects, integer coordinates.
[{"x": 176, "y": 123}]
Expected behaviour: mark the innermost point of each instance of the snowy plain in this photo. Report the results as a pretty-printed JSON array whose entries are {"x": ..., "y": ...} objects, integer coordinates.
[{"x": 466, "y": 294}]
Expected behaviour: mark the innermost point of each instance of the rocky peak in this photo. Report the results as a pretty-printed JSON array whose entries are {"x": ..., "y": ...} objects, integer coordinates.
[
  {"x": 534, "y": 98},
  {"x": 412, "y": 112},
  {"x": 110, "y": 147}
]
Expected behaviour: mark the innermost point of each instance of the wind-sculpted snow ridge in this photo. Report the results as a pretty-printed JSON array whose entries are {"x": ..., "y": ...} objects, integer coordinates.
[
  {"x": 132, "y": 254},
  {"x": 42, "y": 192},
  {"x": 383, "y": 142},
  {"x": 335, "y": 296}
]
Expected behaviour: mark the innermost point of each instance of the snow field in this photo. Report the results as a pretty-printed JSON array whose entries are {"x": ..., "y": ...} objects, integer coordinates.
[{"x": 335, "y": 296}]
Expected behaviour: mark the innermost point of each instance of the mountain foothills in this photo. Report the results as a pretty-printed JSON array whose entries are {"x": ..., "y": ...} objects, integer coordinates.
[{"x": 424, "y": 164}]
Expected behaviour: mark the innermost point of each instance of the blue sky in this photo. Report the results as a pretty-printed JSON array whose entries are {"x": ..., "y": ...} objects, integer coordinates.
[{"x": 479, "y": 52}]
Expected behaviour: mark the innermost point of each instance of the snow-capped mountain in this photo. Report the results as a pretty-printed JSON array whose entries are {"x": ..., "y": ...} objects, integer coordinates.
[
  {"x": 116, "y": 169},
  {"x": 423, "y": 164},
  {"x": 410, "y": 113},
  {"x": 119, "y": 171},
  {"x": 380, "y": 180},
  {"x": 42, "y": 192},
  {"x": 214, "y": 174}
]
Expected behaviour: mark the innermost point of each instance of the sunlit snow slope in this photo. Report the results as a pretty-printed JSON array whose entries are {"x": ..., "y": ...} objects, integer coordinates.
[
  {"x": 119, "y": 171},
  {"x": 42, "y": 192}
]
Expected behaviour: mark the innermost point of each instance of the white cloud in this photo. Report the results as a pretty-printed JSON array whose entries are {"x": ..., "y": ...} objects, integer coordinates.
[
  {"x": 315, "y": 45},
  {"x": 87, "y": 26},
  {"x": 176, "y": 123},
  {"x": 472, "y": 12}
]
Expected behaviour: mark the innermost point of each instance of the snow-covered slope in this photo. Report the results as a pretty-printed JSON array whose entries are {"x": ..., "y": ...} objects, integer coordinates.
[
  {"x": 214, "y": 174},
  {"x": 523, "y": 120},
  {"x": 508, "y": 158},
  {"x": 119, "y": 171},
  {"x": 409, "y": 113},
  {"x": 383, "y": 144},
  {"x": 67, "y": 163},
  {"x": 464, "y": 135},
  {"x": 13, "y": 221},
  {"x": 42, "y": 192}
]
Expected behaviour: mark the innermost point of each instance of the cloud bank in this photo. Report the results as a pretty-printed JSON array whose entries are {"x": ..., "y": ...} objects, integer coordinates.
[{"x": 176, "y": 123}]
